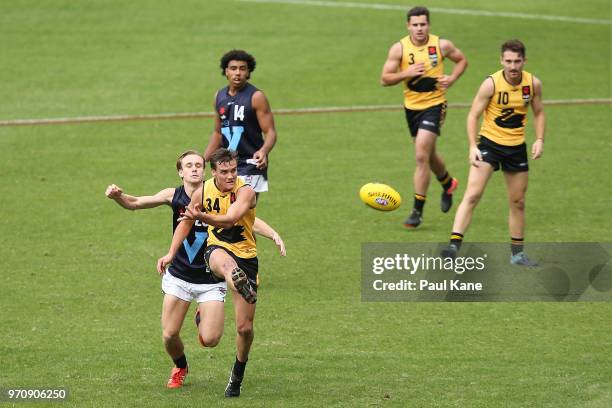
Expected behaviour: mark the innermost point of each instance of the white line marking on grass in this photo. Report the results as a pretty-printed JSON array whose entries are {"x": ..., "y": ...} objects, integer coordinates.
[
  {"x": 297, "y": 111},
  {"x": 375, "y": 6}
]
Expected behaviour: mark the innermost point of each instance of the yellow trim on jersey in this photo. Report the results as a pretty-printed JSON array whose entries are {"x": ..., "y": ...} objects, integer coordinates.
[
  {"x": 422, "y": 92},
  {"x": 240, "y": 238},
  {"x": 506, "y": 114}
]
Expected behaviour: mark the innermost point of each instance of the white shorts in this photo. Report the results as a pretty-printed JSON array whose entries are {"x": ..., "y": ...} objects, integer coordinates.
[
  {"x": 257, "y": 181},
  {"x": 200, "y": 292}
]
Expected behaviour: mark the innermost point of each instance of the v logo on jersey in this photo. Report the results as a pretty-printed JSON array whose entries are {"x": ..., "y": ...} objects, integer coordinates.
[
  {"x": 193, "y": 249},
  {"x": 233, "y": 136}
]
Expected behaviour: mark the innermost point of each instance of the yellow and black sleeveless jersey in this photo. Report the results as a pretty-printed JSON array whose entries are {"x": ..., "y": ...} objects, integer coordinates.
[
  {"x": 422, "y": 92},
  {"x": 239, "y": 239},
  {"x": 506, "y": 115}
]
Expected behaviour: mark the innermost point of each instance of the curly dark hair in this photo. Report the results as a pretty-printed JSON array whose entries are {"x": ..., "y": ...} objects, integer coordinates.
[{"x": 237, "y": 55}]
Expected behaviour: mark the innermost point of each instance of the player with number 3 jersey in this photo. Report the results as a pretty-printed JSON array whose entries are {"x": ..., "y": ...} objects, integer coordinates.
[{"x": 417, "y": 62}]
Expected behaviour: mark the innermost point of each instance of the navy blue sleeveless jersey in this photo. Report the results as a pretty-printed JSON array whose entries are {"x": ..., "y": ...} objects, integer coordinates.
[
  {"x": 188, "y": 263},
  {"x": 240, "y": 127}
]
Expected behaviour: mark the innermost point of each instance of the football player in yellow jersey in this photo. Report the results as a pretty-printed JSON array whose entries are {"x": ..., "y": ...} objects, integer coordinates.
[
  {"x": 227, "y": 205},
  {"x": 417, "y": 62},
  {"x": 504, "y": 97},
  {"x": 185, "y": 280}
]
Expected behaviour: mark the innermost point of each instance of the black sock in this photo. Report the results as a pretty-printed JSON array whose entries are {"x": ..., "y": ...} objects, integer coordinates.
[
  {"x": 516, "y": 245},
  {"x": 181, "y": 362},
  {"x": 419, "y": 202},
  {"x": 446, "y": 180},
  {"x": 238, "y": 370},
  {"x": 456, "y": 239}
]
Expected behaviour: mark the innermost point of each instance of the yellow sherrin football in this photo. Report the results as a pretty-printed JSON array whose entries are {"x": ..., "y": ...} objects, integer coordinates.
[{"x": 380, "y": 196}]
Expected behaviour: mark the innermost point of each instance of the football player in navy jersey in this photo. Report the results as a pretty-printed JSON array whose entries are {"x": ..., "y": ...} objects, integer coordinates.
[
  {"x": 243, "y": 120},
  {"x": 187, "y": 278}
]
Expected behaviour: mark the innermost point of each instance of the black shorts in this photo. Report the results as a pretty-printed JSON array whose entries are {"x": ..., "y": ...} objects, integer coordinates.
[
  {"x": 510, "y": 158},
  {"x": 430, "y": 119},
  {"x": 250, "y": 266}
]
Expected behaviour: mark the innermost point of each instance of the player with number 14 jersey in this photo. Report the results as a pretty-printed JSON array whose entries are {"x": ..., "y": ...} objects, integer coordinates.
[{"x": 243, "y": 120}]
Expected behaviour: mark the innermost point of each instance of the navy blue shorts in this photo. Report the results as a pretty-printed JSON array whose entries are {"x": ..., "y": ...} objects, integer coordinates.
[
  {"x": 430, "y": 119},
  {"x": 509, "y": 158}
]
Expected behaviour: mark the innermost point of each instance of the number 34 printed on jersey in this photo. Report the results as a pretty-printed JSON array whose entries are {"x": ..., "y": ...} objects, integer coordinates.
[{"x": 210, "y": 206}]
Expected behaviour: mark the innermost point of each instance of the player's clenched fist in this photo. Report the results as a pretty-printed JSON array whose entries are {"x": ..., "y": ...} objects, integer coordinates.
[
  {"x": 113, "y": 191},
  {"x": 416, "y": 70}
]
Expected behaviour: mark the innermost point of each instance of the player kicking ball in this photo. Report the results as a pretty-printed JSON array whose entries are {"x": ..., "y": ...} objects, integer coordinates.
[
  {"x": 186, "y": 279},
  {"x": 227, "y": 205}
]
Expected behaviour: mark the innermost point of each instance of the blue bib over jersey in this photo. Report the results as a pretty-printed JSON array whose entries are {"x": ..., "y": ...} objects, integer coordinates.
[
  {"x": 240, "y": 127},
  {"x": 188, "y": 263}
]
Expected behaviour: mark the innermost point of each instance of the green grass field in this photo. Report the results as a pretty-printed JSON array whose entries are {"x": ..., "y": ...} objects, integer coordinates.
[{"x": 81, "y": 300}]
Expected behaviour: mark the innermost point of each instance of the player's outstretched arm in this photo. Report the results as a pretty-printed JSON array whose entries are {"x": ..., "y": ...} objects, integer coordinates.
[
  {"x": 454, "y": 54},
  {"x": 139, "y": 202},
  {"x": 478, "y": 106},
  {"x": 539, "y": 119},
  {"x": 391, "y": 75},
  {"x": 260, "y": 227},
  {"x": 266, "y": 123}
]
